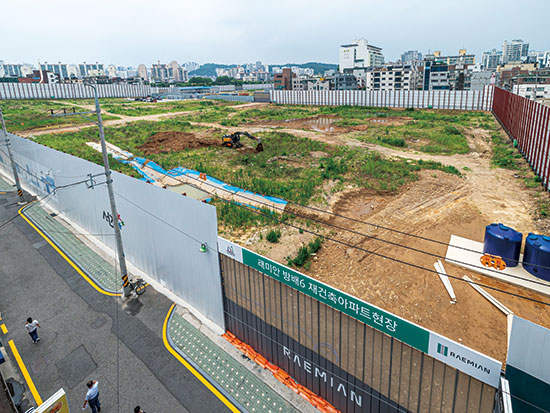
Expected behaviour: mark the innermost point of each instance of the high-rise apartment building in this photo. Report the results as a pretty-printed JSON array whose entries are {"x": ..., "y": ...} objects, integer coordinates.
[
  {"x": 142, "y": 72},
  {"x": 359, "y": 54},
  {"x": 514, "y": 51},
  {"x": 171, "y": 72},
  {"x": 91, "y": 69},
  {"x": 190, "y": 66},
  {"x": 411, "y": 56},
  {"x": 491, "y": 59},
  {"x": 14, "y": 70},
  {"x": 60, "y": 69}
]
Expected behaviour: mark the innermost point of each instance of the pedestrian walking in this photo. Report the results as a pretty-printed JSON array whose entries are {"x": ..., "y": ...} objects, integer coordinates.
[
  {"x": 92, "y": 397},
  {"x": 137, "y": 409},
  {"x": 32, "y": 327}
]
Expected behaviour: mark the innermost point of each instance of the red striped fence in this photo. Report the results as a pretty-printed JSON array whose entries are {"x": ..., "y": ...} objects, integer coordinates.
[{"x": 528, "y": 122}]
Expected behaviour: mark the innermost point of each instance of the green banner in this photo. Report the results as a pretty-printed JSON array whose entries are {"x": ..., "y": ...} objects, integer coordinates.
[{"x": 388, "y": 323}]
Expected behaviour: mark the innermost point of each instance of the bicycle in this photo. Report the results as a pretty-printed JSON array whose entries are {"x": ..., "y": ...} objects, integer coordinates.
[{"x": 138, "y": 286}]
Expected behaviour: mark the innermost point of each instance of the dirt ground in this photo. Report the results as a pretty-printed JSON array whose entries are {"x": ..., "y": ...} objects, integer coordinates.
[
  {"x": 326, "y": 124},
  {"x": 435, "y": 206},
  {"x": 173, "y": 141}
]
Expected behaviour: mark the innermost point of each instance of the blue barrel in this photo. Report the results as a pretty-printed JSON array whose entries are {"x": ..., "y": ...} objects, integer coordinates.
[
  {"x": 537, "y": 255},
  {"x": 504, "y": 242}
]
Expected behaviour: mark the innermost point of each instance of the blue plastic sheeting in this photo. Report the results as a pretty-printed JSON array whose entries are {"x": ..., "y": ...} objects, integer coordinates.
[{"x": 138, "y": 162}]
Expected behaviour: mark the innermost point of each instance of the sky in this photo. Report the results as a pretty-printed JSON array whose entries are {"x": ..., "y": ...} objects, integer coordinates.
[{"x": 130, "y": 32}]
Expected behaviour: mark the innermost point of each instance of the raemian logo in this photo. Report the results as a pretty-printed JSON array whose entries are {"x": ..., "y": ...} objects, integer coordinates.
[{"x": 441, "y": 349}]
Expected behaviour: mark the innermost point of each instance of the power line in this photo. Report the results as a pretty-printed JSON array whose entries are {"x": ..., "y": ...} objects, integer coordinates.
[
  {"x": 270, "y": 216},
  {"x": 352, "y": 231}
]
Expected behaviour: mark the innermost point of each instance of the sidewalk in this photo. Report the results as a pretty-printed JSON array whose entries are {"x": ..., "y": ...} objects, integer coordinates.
[{"x": 240, "y": 381}]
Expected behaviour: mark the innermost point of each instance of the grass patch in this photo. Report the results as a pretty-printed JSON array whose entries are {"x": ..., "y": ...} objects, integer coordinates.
[
  {"x": 304, "y": 254},
  {"x": 33, "y": 114},
  {"x": 144, "y": 108},
  {"x": 273, "y": 236},
  {"x": 505, "y": 155}
]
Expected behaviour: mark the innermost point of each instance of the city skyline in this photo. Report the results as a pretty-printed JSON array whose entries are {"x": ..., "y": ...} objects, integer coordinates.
[{"x": 244, "y": 31}]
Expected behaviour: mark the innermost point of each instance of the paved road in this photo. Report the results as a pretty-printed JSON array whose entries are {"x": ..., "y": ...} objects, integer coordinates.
[{"x": 86, "y": 335}]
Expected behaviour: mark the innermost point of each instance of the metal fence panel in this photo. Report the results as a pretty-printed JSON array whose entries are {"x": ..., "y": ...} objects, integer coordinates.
[
  {"x": 353, "y": 366},
  {"x": 437, "y": 99},
  {"x": 528, "y": 123}
]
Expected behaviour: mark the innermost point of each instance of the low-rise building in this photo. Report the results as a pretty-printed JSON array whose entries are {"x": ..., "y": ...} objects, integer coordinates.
[
  {"x": 40, "y": 76},
  {"x": 283, "y": 80},
  {"x": 532, "y": 90},
  {"x": 343, "y": 81},
  {"x": 435, "y": 76},
  {"x": 320, "y": 83},
  {"x": 461, "y": 57},
  {"x": 392, "y": 77},
  {"x": 481, "y": 78},
  {"x": 509, "y": 73}
]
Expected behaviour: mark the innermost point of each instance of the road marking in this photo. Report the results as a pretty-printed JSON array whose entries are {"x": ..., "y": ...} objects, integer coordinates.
[
  {"x": 76, "y": 267},
  {"x": 4, "y": 329},
  {"x": 199, "y": 376},
  {"x": 26, "y": 374}
]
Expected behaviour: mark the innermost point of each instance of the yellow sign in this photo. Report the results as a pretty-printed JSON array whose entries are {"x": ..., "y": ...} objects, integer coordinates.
[{"x": 56, "y": 404}]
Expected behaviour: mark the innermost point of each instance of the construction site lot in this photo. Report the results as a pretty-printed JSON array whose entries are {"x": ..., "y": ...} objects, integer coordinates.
[{"x": 428, "y": 173}]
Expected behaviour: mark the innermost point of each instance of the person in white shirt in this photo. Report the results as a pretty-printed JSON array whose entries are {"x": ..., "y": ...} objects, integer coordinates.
[
  {"x": 92, "y": 397},
  {"x": 32, "y": 327}
]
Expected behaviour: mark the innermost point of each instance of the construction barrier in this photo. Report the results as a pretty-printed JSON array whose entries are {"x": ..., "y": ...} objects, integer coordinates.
[
  {"x": 528, "y": 124},
  {"x": 418, "y": 99},
  {"x": 75, "y": 91},
  {"x": 352, "y": 354}
]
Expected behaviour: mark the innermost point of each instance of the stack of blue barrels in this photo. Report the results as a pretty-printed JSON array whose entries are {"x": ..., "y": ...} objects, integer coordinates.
[
  {"x": 505, "y": 242},
  {"x": 536, "y": 256}
]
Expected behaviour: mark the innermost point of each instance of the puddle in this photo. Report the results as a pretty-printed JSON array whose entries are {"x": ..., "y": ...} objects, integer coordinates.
[{"x": 322, "y": 124}]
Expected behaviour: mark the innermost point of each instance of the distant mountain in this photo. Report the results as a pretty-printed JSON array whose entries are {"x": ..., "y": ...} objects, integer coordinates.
[
  {"x": 317, "y": 67},
  {"x": 208, "y": 69}
]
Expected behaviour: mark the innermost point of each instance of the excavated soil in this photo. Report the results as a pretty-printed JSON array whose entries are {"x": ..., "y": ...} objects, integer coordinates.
[{"x": 172, "y": 141}]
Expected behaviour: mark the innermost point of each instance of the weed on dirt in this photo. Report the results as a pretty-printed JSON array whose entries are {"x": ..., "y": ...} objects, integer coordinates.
[{"x": 33, "y": 114}]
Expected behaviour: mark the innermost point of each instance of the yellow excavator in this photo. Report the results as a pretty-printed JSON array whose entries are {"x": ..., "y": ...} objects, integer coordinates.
[{"x": 233, "y": 140}]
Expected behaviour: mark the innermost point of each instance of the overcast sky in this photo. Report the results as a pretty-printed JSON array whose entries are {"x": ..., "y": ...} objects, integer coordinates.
[{"x": 129, "y": 32}]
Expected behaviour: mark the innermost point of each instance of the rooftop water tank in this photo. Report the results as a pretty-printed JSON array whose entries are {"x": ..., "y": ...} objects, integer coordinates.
[
  {"x": 536, "y": 256},
  {"x": 504, "y": 242}
]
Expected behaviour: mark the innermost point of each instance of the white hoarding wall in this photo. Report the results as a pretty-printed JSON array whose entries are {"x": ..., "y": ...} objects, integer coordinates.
[
  {"x": 162, "y": 233},
  {"x": 436, "y": 99},
  {"x": 74, "y": 91},
  {"x": 529, "y": 349}
]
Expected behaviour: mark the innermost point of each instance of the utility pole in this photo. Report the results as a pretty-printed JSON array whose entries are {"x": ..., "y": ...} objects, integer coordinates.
[
  {"x": 14, "y": 168},
  {"x": 118, "y": 236}
]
